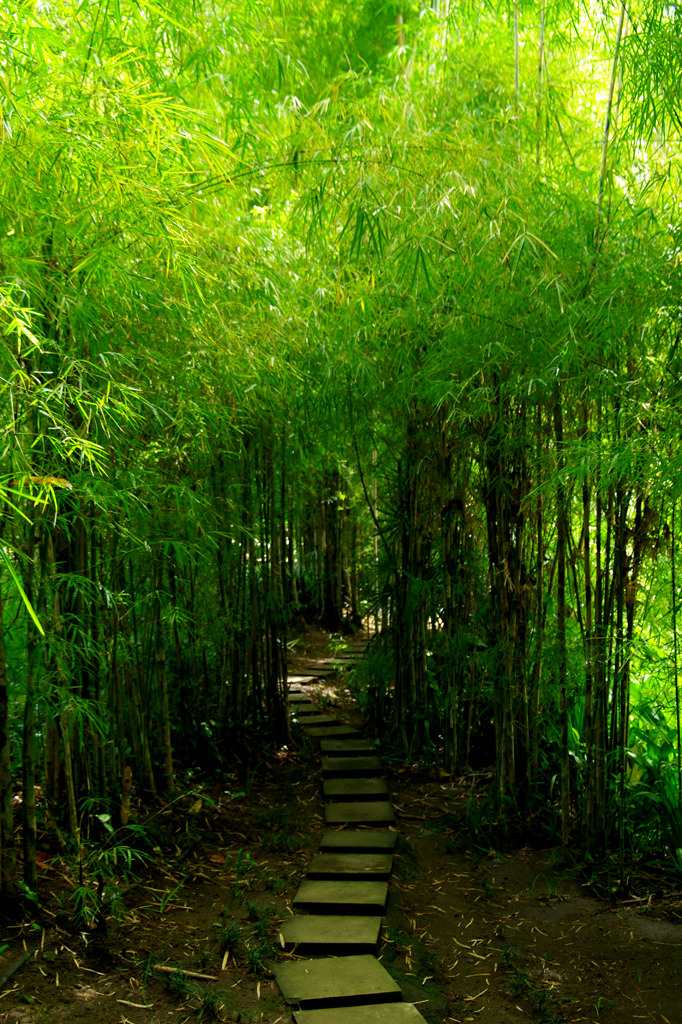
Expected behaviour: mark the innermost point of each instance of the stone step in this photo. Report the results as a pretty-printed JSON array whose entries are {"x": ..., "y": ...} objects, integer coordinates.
[
  {"x": 343, "y": 981},
  {"x": 325, "y": 731},
  {"x": 307, "y": 711},
  {"x": 361, "y": 812},
  {"x": 321, "y": 720},
  {"x": 330, "y": 934},
  {"x": 320, "y": 672},
  {"x": 350, "y": 867},
  {"x": 343, "y": 660},
  {"x": 345, "y": 767},
  {"x": 301, "y": 680},
  {"x": 341, "y": 897},
  {"x": 381, "y": 1013},
  {"x": 348, "y": 748},
  {"x": 355, "y": 789},
  {"x": 358, "y": 841},
  {"x": 298, "y": 697}
]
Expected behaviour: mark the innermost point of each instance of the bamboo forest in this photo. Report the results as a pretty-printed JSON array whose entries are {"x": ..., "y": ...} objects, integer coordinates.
[{"x": 354, "y": 319}]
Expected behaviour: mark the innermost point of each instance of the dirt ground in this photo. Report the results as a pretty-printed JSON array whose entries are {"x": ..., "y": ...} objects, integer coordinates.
[{"x": 494, "y": 936}]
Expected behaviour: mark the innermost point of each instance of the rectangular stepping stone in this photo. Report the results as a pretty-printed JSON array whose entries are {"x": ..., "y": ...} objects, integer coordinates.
[
  {"x": 301, "y": 680},
  {"x": 343, "y": 981},
  {"x": 321, "y": 720},
  {"x": 345, "y": 767},
  {"x": 306, "y": 711},
  {"x": 350, "y": 867},
  {"x": 359, "y": 841},
  {"x": 341, "y": 897},
  {"x": 325, "y": 731},
  {"x": 298, "y": 697},
  {"x": 361, "y": 812},
  {"x": 330, "y": 933},
  {"x": 348, "y": 748},
  {"x": 382, "y": 1013},
  {"x": 355, "y": 789}
]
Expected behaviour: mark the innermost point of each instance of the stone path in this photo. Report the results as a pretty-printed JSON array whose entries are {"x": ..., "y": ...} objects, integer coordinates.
[{"x": 340, "y": 905}]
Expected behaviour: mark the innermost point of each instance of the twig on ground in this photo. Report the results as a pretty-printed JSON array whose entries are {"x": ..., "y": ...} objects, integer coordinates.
[{"x": 181, "y": 970}]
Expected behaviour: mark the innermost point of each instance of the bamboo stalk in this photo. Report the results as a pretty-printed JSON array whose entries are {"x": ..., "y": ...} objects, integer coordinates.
[
  {"x": 675, "y": 658},
  {"x": 608, "y": 121},
  {"x": 11, "y": 971}
]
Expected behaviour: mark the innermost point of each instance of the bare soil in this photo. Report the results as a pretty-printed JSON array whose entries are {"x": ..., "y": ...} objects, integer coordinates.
[
  {"x": 512, "y": 935},
  {"x": 488, "y": 935}
]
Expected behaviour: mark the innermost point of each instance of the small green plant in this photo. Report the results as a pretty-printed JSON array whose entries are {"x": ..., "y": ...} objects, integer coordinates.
[
  {"x": 261, "y": 920},
  {"x": 276, "y": 885},
  {"x": 210, "y": 1004},
  {"x": 602, "y": 1001},
  {"x": 283, "y": 841},
  {"x": 99, "y": 868},
  {"x": 552, "y": 887},
  {"x": 509, "y": 954},
  {"x": 229, "y": 937},
  {"x": 244, "y": 864},
  {"x": 256, "y": 912},
  {"x": 276, "y": 817},
  {"x": 166, "y": 897},
  {"x": 258, "y": 958},
  {"x": 178, "y": 985}
]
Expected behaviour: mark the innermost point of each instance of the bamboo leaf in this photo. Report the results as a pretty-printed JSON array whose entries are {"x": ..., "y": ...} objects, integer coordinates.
[{"x": 17, "y": 583}]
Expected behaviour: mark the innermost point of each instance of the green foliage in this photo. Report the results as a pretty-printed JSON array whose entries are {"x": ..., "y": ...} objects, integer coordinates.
[
  {"x": 290, "y": 299},
  {"x": 258, "y": 958},
  {"x": 229, "y": 937},
  {"x": 654, "y": 783},
  {"x": 100, "y": 870}
]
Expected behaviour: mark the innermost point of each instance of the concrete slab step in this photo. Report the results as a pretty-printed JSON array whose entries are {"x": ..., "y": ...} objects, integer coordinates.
[
  {"x": 327, "y": 731},
  {"x": 341, "y": 661},
  {"x": 359, "y": 841},
  {"x": 360, "y": 812},
  {"x": 301, "y": 680},
  {"x": 382, "y": 1013},
  {"x": 355, "y": 789},
  {"x": 341, "y": 981},
  {"x": 345, "y": 767},
  {"x": 341, "y": 897},
  {"x": 330, "y": 934},
  {"x": 298, "y": 697},
  {"x": 350, "y": 867},
  {"x": 348, "y": 748},
  {"x": 320, "y": 671},
  {"x": 321, "y": 720},
  {"x": 306, "y": 711}
]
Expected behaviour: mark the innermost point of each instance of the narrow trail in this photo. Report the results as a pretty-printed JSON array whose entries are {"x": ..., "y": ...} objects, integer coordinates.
[{"x": 340, "y": 905}]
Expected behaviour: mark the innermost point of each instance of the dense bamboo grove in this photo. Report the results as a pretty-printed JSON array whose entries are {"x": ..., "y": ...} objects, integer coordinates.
[{"x": 331, "y": 315}]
